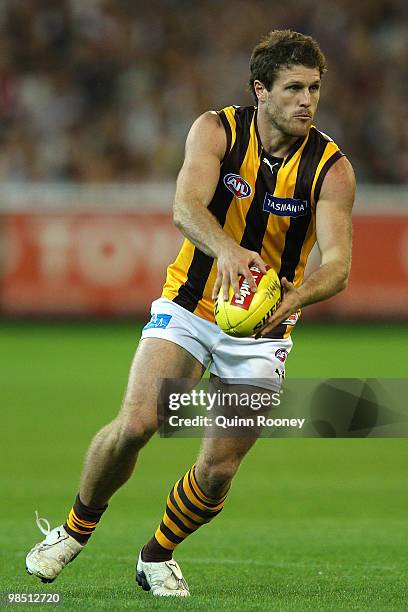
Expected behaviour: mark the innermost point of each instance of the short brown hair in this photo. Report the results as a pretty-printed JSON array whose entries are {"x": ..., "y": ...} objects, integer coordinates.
[{"x": 283, "y": 48}]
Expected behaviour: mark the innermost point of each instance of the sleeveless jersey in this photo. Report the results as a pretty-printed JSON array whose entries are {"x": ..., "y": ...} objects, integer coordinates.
[{"x": 266, "y": 204}]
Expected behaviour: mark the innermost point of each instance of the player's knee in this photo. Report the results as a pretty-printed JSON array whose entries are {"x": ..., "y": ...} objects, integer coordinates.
[
  {"x": 134, "y": 431},
  {"x": 215, "y": 476}
]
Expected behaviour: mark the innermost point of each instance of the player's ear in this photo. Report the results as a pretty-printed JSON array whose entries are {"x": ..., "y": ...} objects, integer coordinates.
[{"x": 260, "y": 90}]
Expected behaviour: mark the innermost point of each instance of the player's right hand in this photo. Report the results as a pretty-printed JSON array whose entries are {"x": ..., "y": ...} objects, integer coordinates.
[{"x": 233, "y": 261}]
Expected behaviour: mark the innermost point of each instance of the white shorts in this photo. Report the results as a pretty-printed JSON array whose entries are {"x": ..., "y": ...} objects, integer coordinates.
[{"x": 227, "y": 357}]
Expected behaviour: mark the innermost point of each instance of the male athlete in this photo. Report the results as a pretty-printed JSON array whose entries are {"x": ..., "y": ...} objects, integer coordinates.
[{"x": 259, "y": 185}]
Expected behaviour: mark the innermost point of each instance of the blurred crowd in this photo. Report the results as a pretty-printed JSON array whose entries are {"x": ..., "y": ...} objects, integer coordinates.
[{"x": 105, "y": 90}]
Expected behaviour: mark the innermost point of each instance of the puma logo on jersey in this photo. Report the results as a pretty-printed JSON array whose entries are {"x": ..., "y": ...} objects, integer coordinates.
[{"x": 268, "y": 163}]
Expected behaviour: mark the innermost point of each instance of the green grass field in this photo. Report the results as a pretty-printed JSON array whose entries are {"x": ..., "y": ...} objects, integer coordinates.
[{"x": 310, "y": 524}]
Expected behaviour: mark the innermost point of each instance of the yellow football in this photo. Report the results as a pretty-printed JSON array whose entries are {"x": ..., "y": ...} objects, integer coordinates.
[{"x": 247, "y": 314}]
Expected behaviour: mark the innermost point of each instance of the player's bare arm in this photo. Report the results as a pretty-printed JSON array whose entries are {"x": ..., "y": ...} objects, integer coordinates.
[
  {"x": 196, "y": 184},
  {"x": 334, "y": 238}
]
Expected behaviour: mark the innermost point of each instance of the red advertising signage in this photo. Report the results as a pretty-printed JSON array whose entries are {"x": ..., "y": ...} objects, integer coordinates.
[
  {"x": 85, "y": 263},
  {"x": 378, "y": 284},
  {"x": 110, "y": 264}
]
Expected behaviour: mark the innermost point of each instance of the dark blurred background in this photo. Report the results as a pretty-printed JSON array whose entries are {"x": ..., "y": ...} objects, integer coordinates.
[
  {"x": 96, "y": 99},
  {"x": 105, "y": 90}
]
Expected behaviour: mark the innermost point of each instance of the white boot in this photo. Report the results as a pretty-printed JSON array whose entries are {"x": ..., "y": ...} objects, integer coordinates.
[
  {"x": 49, "y": 557},
  {"x": 164, "y": 579}
]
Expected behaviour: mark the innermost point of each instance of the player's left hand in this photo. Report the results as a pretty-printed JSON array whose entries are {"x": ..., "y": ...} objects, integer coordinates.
[{"x": 290, "y": 303}]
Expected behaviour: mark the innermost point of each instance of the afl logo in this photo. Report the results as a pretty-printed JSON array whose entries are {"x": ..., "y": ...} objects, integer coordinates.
[
  {"x": 237, "y": 185},
  {"x": 281, "y": 354}
]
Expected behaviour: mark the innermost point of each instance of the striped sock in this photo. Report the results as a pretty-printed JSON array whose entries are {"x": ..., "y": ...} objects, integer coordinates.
[
  {"x": 187, "y": 508},
  {"x": 82, "y": 520}
]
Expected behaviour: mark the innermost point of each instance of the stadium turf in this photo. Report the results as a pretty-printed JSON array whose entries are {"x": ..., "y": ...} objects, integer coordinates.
[{"x": 310, "y": 524}]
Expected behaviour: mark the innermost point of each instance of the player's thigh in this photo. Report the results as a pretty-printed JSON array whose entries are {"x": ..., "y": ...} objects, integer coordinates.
[{"x": 156, "y": 359}]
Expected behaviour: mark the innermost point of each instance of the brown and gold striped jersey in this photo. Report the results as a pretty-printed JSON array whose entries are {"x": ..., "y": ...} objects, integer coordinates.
[{"x": 266, "y": 204}]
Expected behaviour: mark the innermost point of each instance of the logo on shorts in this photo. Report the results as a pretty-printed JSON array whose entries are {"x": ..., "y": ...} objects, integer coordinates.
[
  {"x": 281, "y": 354},
  {"x": 280, "y": 374},
  {"x": 160, "y": 321},
  {"x": 237, "y": 185},
  {"x": 285, "y": 207}
]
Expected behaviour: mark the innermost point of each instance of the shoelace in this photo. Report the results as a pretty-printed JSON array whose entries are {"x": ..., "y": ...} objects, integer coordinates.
[
  {"x": 38, "y": 520},
  {"x": 47, "y": 530}
]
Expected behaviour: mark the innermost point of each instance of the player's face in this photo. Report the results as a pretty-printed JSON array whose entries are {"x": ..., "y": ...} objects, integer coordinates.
[{"x": 291, "y": 103}]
